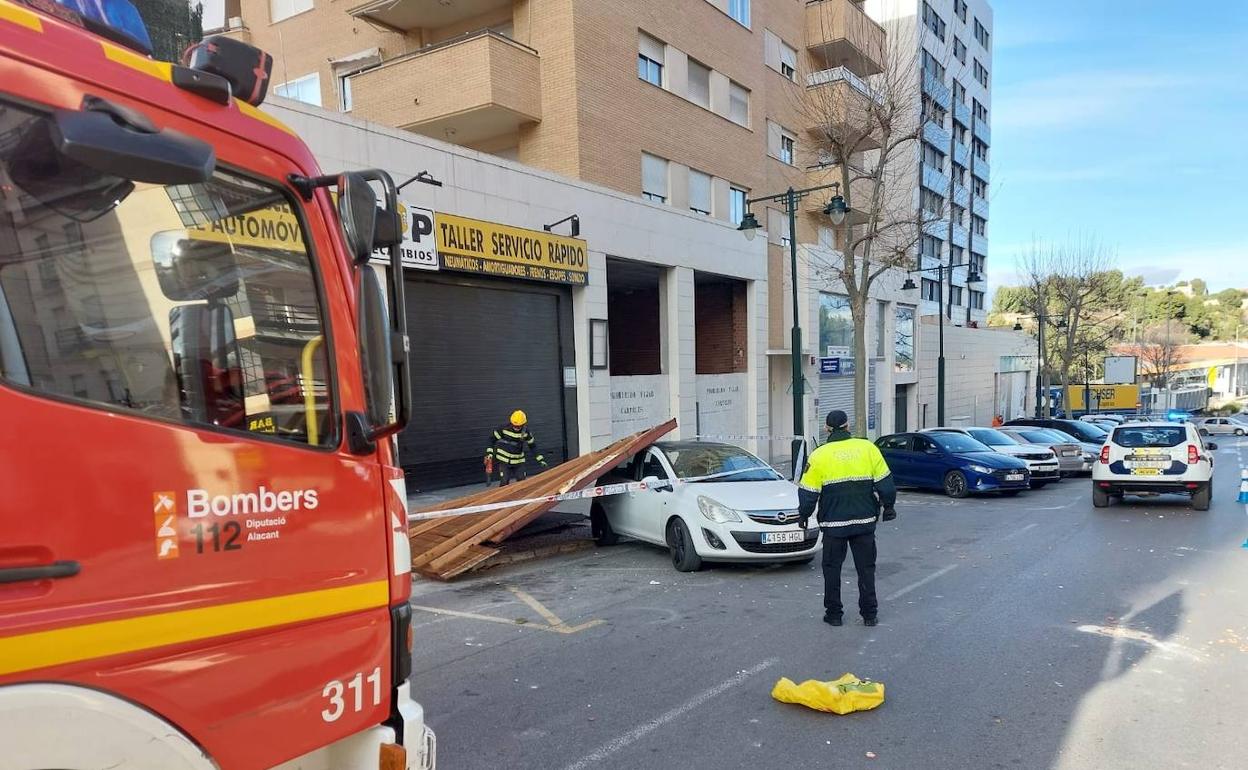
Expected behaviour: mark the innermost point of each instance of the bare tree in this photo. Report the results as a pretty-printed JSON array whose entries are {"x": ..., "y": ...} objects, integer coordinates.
[
  {"x": 865, "y": 135},
  {"x": 1160, "y": 352}
]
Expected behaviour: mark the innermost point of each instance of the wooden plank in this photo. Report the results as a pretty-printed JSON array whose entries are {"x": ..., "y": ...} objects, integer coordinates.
[{"x": 444, "y": 548}]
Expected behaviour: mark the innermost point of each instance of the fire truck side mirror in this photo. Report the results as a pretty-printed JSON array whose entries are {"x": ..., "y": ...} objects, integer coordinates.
[
  {"x": 357, "y": 208},
  {"x": 376, "y": 352}
]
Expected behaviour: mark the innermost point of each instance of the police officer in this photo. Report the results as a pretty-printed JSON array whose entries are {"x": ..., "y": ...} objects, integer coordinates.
[
  {"x": 848, "y": 482},
  {"x": 508, "y": 448}
]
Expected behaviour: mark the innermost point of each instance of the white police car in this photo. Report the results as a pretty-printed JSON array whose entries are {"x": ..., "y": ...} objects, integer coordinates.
[{"x": 1152, "y": 458}]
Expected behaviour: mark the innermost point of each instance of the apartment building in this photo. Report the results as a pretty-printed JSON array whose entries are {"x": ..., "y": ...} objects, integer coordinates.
[
  {"x": 953, "y": 51},
  {"x": 696, "y": 105}
]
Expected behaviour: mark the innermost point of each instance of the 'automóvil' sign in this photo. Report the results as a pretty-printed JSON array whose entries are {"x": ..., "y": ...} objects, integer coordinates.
[{"x": 476, "y": 246}]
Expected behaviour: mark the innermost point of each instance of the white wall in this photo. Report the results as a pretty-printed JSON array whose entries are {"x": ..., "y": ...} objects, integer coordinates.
[
  {"x": 972, "y": 369},
  {"x": 487, "y": 187}
]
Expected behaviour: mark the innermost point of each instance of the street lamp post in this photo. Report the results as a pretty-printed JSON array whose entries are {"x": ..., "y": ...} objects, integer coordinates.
[
  {"x": 972, "y": 276},
  {"x": 836, "y": 211}
]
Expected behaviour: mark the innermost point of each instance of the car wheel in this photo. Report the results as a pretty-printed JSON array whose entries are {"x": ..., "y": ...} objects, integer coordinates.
[
  {"x": 1100, "y": 498},
  {"x": 1239, "y": 431},
  {"x": 1204, "y": 431},
  {"x": 955, "y": 484},
  {"x": 600, "y": 526},
  {"x": 1011, "y": 492},
  {"x": 684, "y": 556},
  {"x": 1201, "y": 498}
]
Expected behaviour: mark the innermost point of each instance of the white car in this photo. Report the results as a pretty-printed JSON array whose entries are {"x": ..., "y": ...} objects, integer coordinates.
[
  {"x": 1215, "y": 426},
  {"x": 1073, "y": 457},
  {"x": 1042, "y": 464},
  {"x": 746, "y": 511},
  {"x": 1153, "y": 458}
]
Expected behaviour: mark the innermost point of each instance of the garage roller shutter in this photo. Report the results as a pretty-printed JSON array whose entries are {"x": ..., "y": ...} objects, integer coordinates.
[{"x": 477, "y": 354}]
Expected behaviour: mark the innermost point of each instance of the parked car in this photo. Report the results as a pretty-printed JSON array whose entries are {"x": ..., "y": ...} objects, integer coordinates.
[
  {"x": 1077, "y": 428},
  {"x": 1041, "y": 462},
  {"x": 1072, "y": 456},
  {"x": 747, "y": 512},
  {"x": 1101, "y": 422},
  {"x": 1217, "y": 426},
  {"x": 1117, "y": 419},
  {"x": 952, "y": 462},
  {"x": 1154, "y": 458}
]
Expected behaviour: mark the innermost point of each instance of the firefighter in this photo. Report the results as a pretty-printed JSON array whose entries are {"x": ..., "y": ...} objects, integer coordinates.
[
  {"x": 508, "y": 449},
  {"x": 847, "y": 481}
]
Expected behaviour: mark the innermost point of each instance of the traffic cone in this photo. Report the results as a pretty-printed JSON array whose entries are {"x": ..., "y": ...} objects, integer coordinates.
[{"x": 1243, "y": 486}]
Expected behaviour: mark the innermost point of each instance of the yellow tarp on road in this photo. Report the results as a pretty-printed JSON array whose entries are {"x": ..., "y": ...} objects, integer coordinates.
[{"x": 840, "y": 696}]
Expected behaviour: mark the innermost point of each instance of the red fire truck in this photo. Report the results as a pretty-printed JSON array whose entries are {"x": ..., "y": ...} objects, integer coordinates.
[{"x": 203, "y": 540}]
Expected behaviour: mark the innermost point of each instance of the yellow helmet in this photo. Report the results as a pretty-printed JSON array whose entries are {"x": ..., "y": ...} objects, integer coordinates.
[{"x": 519, "y": 419}]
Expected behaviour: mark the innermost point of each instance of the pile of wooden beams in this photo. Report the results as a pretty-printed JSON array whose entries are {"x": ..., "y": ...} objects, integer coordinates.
[{"x": 443, "y": 548}]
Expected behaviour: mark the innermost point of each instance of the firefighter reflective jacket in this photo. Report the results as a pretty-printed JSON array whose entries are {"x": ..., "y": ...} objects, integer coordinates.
[
  {"x": 509, "y": 445},
  {"x": 848, "y": 481}
]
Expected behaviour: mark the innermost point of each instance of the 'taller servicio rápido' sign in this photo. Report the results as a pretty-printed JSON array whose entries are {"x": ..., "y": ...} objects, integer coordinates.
[{"x": 476, "y": 246}]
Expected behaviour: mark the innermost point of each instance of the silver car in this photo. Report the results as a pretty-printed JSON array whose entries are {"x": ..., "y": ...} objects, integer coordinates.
[
  {"x": 1214, "y": 426},
  {"x": 1072, "y": 456}
]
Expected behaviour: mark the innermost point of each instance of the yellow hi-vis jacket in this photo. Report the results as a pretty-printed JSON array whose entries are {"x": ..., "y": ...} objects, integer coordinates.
[{"x": 849, "y": 482}]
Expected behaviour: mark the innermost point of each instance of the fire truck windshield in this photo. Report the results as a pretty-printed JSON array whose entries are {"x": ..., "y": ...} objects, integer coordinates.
[{"x": 194, "y": 303}]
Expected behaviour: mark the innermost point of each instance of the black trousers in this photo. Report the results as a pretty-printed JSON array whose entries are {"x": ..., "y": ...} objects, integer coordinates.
[
  {"x": 508, "y": 473},
  {"x": 863, "y": 547}
]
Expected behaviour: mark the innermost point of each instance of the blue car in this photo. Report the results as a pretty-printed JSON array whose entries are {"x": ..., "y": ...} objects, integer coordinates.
[{"x": 953, "y": 462}]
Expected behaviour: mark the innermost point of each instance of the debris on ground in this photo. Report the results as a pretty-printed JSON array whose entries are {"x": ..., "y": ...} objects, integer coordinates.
[{"x": 840, "y": 696}]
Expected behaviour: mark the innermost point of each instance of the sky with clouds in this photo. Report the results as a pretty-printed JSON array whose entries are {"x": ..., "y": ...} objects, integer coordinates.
[{"x": 1125, "y": 120}]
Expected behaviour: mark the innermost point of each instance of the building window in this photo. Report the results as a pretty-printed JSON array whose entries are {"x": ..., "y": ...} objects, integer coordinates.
[
  {"x": 981, "y": 187},
  {"x": 650, "y": 60},
  {"x": 981, "y": 74},
  {"x": 980, "y": 111},
  {"x": 653, "y": 178},
  {"x": 977, "y": 300},
  {"x": 284, "y": 9},
  {"x": 736, "y": 204},
  {"x": 959, "y": 133},
  {"x": 932, "y": 68},
  {"x": 959, "y": 174},
  {"x": 788, "y": 61},
  {"x": 931, "y": 290},
  {"x": 740, "y": 10},
  {"x": 933, "y": 21},
  {"x": 699, "y": 192},
  {"x": 344, "y": 92},
  {"x": 979, "y": 225},
  {"x": 306, "y": 89},
  {"x": 957, "y": 215},
  {"x": 903, "y": 339},
  {"x": 836, "y": 324},
  {"x": 955, "y": 255},
  {"x": 931, "y": 246},
  {"x": 955, "y": 295},
  {"x": 933, "y": 157},
  {"x": 959, "y": 49},
  {"x": 881, "y": 319},
  {"x": 932, "y": 202},
  {"x": 933, "y": 111},
  {"x": 787, "y": 144},
  {"x": 959, "y": 7},
  {"x": 981, "y": 34},
  {"x": 699, "y": 84},
  {"x": 978, "y": 262},
  {"x": 738, "y": 104},
  {"x": 980, "y": 149},
  {"x": 959, "y": 91}
]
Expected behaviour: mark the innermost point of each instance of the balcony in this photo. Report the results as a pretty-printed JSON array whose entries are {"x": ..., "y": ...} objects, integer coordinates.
[
  {"x": 983, "y": 132},
  {"x": 935, "y": 180},
  {"x": 981, "y": 169},
  {"x": 839, "y": 105},
  {"x": 961, "y": 155},
  {"x": 936, "y": 135},
  {"x": 840, "y": 34},
  {"x": 936, "y": 89},
  {"x": 981, "y": 207},
  {"x": 961, "y": 195},
  {"x": 496, "y": 89},
  {"x": 961, "y": 113},
  {"x": 407, "y": 15}
]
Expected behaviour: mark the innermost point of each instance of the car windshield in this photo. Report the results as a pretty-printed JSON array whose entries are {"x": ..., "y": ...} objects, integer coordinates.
[
  {"x": 729, "y": 462},
  {"x": 958, "y": 442},
  {"x": 1085, "y": 431},
  {"x": 991, "y": 437},
  {"x": 1049, "y": 437},
  {"x": 1150, "y": 436}
]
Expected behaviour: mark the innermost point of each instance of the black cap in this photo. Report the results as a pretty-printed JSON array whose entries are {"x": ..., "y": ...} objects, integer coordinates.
[{"x": 837, "y": 419}]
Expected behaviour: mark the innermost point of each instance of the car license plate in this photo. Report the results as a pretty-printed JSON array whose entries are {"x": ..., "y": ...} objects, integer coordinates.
[
  {"x": 1013, "y": 477},
  {"x": 1146, "y": 471},
  {"x": 1070, "y": 453},
  {"x": 783, "y": 537}
]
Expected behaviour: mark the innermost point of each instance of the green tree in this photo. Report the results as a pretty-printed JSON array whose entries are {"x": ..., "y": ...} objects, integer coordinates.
[
  {"x": 1199, "y": 287},
  {"x": 173, "y": 25}
]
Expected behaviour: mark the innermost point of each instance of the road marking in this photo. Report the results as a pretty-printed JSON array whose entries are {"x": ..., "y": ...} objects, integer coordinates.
[
  {"x": 1016, "y": 533},
  {"x": 555, "y": 623},
  {"x": 919, "y": 583},
  {"x": 642, "y": 730}
]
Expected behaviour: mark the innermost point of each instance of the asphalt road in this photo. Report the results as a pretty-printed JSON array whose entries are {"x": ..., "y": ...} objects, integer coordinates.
[{"x": 1035, "y": 632}]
